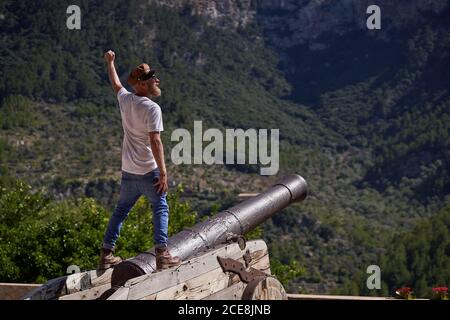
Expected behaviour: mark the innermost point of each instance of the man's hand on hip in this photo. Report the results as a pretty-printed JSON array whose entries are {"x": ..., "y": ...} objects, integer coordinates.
[{"x": 162, "y": 185}]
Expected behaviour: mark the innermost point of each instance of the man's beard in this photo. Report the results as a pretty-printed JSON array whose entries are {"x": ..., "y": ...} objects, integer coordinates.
[{"x": 154, "y": 91}]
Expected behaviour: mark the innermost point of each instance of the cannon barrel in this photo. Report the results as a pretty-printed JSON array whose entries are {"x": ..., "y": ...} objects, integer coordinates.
[{"x": 237, "y": 220}]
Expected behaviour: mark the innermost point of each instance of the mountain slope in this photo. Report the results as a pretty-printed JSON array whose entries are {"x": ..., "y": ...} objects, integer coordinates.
[{"x": 362, "y": 118}]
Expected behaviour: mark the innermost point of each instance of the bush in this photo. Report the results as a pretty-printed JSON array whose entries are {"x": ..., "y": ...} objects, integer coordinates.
[{"x": 40, "y": 239}]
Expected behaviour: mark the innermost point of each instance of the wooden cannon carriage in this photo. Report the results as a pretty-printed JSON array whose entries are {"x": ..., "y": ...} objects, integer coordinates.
[{"x": 217, "y": 261}]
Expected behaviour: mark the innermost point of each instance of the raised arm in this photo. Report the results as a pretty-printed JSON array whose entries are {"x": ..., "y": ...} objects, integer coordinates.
[
  {"x": 110, "y": 56},
  {"x": 158, "y": 153}
]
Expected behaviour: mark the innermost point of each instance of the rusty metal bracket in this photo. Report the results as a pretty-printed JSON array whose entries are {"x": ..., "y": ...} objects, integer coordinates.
[
  {"x": 247, "y": 258},
  {"x": 231, "y": 265}
]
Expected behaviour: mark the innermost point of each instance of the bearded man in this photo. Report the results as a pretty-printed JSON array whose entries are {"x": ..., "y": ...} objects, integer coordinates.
[{"x": 143, "y": 167}]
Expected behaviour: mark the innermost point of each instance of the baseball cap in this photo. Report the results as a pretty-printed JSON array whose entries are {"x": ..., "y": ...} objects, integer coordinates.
[{"x": 141, "y": 72}]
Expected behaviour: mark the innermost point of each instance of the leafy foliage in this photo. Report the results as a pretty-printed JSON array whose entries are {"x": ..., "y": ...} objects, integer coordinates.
[
  {"x": 40, "y": 239},
  {"x": 420, "y": 258}
]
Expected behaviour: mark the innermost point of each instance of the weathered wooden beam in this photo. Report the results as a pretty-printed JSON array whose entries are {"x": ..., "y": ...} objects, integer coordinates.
[
  {"x": 59, "y": 287},
  {"x": 195, "y": 278},
  {"x": 205, "y": 284},
  {"x": 233, "y": 292},
  {"x": 16, "y": 291},
  {"x": 90, "y": 294},
  {"x": 193, "y": 289}
]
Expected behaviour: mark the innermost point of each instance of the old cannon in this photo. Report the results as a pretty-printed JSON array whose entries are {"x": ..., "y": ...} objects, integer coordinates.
[{"x": 217, "y": 261}]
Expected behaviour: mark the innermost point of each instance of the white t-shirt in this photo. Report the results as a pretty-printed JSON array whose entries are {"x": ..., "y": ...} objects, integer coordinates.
[{"x": 140, "y": 115}]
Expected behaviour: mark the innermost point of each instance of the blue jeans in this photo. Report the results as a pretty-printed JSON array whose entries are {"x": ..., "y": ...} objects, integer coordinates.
[{"x": 132, "y": 187}]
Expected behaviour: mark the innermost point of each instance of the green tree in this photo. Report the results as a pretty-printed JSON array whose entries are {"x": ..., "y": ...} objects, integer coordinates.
[
  {"x": 420, "y": 259},
  {"x": 40, "y": 238}
]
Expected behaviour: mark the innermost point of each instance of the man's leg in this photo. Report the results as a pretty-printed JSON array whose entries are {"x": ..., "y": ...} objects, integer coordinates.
[
  {"x": 160, "y": 209},
  {"x": 129, "y": 194}
]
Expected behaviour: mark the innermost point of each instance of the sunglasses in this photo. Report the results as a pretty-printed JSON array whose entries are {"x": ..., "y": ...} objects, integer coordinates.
[{"x": 150, "y": 75}]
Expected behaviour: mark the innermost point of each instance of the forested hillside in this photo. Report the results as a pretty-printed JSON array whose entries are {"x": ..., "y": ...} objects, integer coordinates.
[{"x": 364, "y": 120}]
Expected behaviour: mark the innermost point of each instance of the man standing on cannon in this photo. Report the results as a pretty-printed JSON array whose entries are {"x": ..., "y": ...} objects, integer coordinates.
[{"x": 143, "y": 167}]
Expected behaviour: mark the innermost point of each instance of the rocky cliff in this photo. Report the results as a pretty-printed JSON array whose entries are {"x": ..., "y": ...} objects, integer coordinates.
[{"x": 287, "y": 23}]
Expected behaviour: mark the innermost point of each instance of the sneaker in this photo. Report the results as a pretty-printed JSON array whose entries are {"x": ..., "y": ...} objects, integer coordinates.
[
  {"x": 164, "y": 260},
  {"x": 107, "y": 259}
]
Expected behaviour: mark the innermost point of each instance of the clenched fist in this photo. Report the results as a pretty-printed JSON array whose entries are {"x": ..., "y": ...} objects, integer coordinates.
[{"x": 110, "y": 56}]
